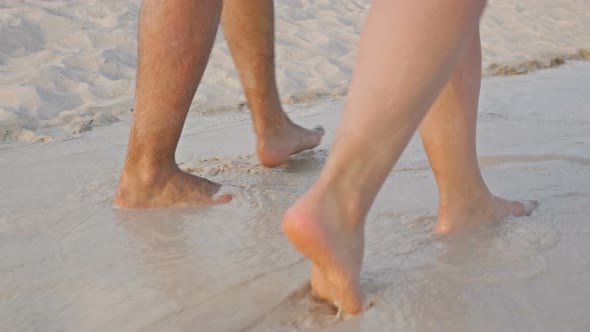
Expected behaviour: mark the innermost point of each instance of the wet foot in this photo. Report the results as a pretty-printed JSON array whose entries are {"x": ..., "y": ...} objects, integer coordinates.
[
  {"x": 321, "y": 227},
  {"x": 172, "y": 188},
  {"x": 453, "y": 217},
  {"x": 279, "y": 142}
]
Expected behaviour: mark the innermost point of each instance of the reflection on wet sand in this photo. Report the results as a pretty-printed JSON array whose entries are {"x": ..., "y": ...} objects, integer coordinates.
[
  {"x": 210, "y": 261},
  {"x": 70, "y": 262},
  {"x": 449, "y": 283}
]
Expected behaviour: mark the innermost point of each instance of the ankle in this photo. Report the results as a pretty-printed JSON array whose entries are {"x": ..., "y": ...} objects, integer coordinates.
[
  {"x": 450, "y": 196},
  {"x": 351, "y": 204},
  {"x": 466, "y": 204},
  {"x": 146, "y": 174},
  {"x": 269, "y": 123}
]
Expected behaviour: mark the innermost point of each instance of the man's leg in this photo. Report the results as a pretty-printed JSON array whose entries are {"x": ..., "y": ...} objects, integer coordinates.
[
  {"x": 408, "y": 51},
  {"x": 249, "y": 30},
  {"x": 448, "y": 134},
  {"x": 175, "y": 39}
]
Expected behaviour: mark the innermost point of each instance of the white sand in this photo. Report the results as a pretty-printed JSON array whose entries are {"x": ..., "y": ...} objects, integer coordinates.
[
  {"x": 69, "y": 262},
  {"x": 64, "y": 63}
]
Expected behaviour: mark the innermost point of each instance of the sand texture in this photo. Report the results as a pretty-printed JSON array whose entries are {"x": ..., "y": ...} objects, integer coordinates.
[
  {"x": 69, "y": 66},
  {"x": 70, "y": 262}
]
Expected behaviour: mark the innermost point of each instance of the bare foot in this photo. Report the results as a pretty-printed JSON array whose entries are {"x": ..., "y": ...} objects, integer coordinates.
[
  {"x": 457, "y": 217},
  {"x": 170, "y": 188},
  {"x": 323, "y": 228},
  {"x": 279, "y": 142}
]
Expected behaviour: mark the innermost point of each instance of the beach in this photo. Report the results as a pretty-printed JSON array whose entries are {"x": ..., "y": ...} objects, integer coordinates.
[{"x": 69, "y": 261}]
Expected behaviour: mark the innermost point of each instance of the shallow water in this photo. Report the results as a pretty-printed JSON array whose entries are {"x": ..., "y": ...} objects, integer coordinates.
[{"x": 70, "y": 262}]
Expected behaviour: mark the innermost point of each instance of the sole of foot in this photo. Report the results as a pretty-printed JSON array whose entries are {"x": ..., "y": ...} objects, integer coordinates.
[{"x": 316, "y": 226}]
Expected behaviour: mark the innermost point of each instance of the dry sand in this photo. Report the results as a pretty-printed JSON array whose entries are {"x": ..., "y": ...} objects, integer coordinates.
[
  {"x": 70, "y": 262},
  {"x": 68, "y": 66}
]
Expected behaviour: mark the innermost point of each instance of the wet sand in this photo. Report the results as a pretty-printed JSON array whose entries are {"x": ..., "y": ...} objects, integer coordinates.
[{"x": 70, "y": 262}]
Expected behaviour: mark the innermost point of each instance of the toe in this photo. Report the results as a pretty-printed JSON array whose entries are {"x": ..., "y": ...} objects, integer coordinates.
[
  {"x": 313, "y": 140},
  {"x": 320, "y": 130},
  {"x": 221, "y": 195},
  {"x": 221, "y": 198},
  {"x": 353, "y": 305},
  {"x": 529, "y": 206}
]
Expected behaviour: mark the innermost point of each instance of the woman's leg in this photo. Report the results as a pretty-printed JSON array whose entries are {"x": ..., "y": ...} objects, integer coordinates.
[
  {"x": 408, "y": 51},
  {"x": 448, "y": 134}
]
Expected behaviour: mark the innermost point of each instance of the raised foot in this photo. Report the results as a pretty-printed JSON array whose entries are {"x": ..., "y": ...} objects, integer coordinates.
[
  {"x": 277, "y": 144},
  {"x": 321, "y": 232},
  {"x": 173, "y": 188},
  {"x": 453, "y": 218}
]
